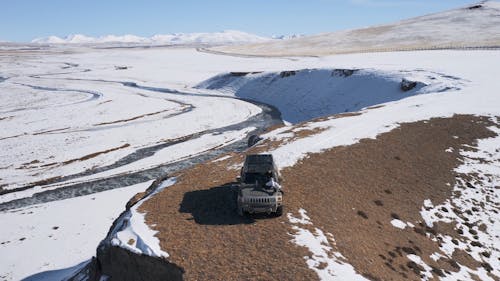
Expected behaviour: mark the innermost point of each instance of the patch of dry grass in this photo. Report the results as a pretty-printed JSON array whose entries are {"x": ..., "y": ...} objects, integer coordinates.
[{"x": 352, "y": 192}]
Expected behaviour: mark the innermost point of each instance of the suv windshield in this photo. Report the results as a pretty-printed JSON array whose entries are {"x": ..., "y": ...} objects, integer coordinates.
[{"x": 251, "y": 178}]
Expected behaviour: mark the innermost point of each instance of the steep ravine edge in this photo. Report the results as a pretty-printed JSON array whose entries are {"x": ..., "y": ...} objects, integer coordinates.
[{"x": 121, "y": 264}]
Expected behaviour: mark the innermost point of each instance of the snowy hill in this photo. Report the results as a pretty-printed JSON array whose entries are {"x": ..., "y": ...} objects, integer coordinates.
[
  {"x": 480, "y": 22},
  {"x": 216, "y": 38}
]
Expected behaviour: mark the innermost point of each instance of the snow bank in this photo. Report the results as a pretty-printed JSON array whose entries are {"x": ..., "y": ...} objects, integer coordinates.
[
  {"x": 132, "y": 232},
  {"x": 322, "y": 253}
]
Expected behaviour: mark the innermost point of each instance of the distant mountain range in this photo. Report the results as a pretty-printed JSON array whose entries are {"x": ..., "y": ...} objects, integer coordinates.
[
  {"x": 216, "y": 38},
  {"x": 285, "y": 37}
]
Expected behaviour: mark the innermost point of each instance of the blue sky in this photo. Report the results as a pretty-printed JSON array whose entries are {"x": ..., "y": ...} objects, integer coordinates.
[{"x": 24, "y": 20}]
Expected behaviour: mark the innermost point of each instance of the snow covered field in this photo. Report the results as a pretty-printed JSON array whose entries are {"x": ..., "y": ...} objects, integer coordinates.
[
  {"x": 100, "y": 121},
  {"x": 64, "y": 114},
  {"x": 58, "y": 234}
]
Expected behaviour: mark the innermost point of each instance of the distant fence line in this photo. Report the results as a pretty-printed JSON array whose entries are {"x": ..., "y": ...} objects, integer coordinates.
[
  {"x": 431, "y": 48},
  {"x": 368, "y": 50}
]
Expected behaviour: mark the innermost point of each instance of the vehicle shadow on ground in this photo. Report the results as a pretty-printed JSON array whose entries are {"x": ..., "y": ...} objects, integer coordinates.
[{"x": 215, "y": 206}]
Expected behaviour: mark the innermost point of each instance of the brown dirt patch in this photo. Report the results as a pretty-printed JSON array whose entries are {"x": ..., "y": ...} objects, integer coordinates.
[
  {"x": 29, "y": 165},
  {"x": 352, "y": 192},
  {"x": 31, "y": 185},
  {"x": 95, "y": 154},
  {"x": 11, "y": 137},
  {"x": 36, "y": 163},
  {"x": 50, "y": 131},
  {"x": 104, "y": 102},
  {"x": 301, "y": 133},
  {"x": 375, "y": 106},
  {"x": 330, "y": 117},
  {"x": 45, "y": 181},
  {"x": 132, "y": 118},
  {"x": 200, "y": 228}
]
